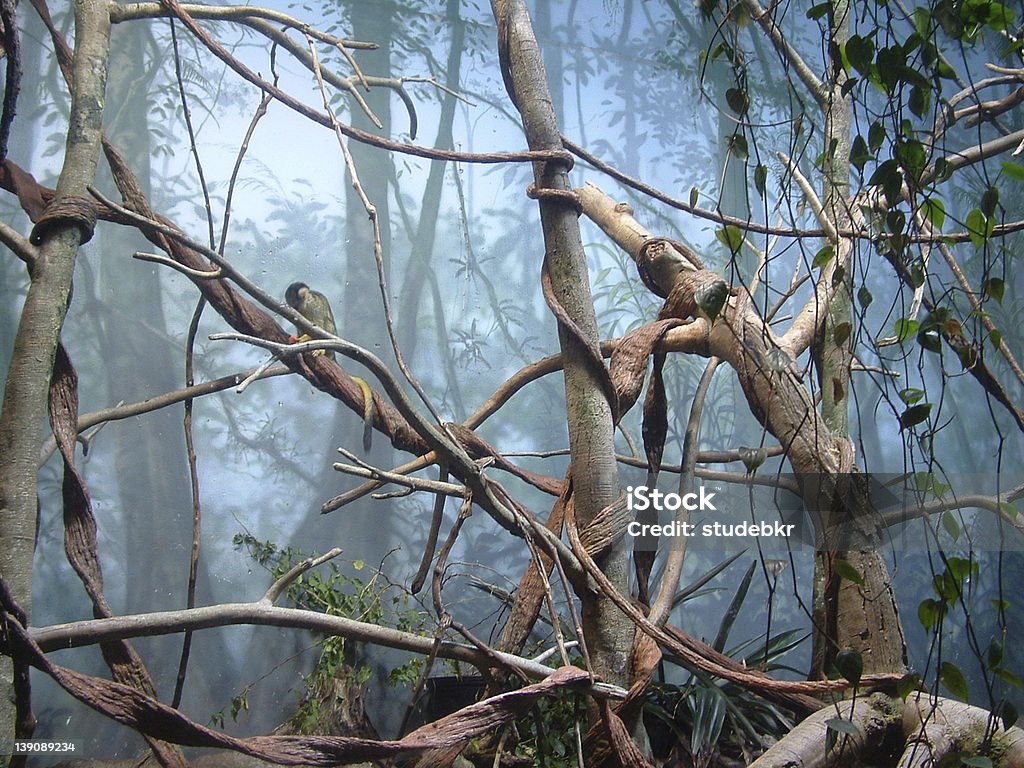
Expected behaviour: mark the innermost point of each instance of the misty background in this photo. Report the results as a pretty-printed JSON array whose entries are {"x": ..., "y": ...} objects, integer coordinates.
[{"x": 463, "y": 249}]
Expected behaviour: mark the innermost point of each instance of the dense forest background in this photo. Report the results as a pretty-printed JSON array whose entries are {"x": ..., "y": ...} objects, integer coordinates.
[{"x": 697, "y": 101}]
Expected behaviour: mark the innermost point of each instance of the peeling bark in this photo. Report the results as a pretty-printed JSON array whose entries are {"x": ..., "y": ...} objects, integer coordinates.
[{"x": 860, "y": 616}]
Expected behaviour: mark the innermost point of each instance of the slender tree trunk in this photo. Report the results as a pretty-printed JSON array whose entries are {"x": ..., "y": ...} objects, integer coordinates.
[
  {"x": 422, "y": 247},
  {"x": 595, "y": 478},
  {"x": 149, "y": 455},
  {"x": 25, "y": 396},
  {"x": 847, "y": 615},
  {"x": 361, "y": 313}
]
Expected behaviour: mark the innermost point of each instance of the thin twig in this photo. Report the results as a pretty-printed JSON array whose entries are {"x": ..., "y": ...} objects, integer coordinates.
[
  {"x": 256, "y": 375},
  {"x": 243, "y": 149},
  {"x": 378, "y": 248},
  {"x": 283, "y": 582},
  {"x": 126, "y": 411},
  {"x": 436, "y": 518},
  {"x": 508, "y": 516},
  {"x": 416, "y": 483},
  {"x": 187, "y": 114},
  {"x": 326, "y": 119},
  {"x": 241, "y": 13},
  {"x": 166, "y": 261},
  {"x": 827, "y": 225},
  {"x": 18, "y": 245},
  {"x": 197, "y": 509},
  {"x": 661, "y": 608},
  {"x": 976, "y": 306},
  {"x": 787, "y": 52}
]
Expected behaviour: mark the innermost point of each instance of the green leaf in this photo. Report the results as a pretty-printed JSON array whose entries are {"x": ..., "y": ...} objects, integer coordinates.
[
  {"x": 842, "y": 726},
  {"x": 995, "y": 653},
  {"x": 951, "y": 525},
  {"x": 1009, "y": 677},
  {"x": 994, "y": 287},
  {"x": 1013, "y": 171},
  {"x": 976, "y": 762},
  {"x": 935, "y": 212},
  {"x": 876, "y": 136},
  {"x": 848, "y": 572},
  {"x": 864, "y": 296},
  {"x": 929, "y": 338},
  {"x": 831, "y": 737},
  {"x": 913, "y": 157},
  {"x": 737, "y": 100},
  {"x": 760, "y": 179},
  {"x": 859, "y": 153},
  {"x": 912, "y": 77},
  {"x": 979, "y": 227},
  {"x": 738, "y": 146},
  {"x": 850, "y": 665},
  {"x": 922, "y": 22},
  {"x": 694, "y": 195},
  {"x": 953, "y": 680},
  {"x": 907, "y": 685},
  {"x": 818, "y": 11},
  {"x": 838, "y": 275},
  {"x": 711, "y": 297},
  {"x": 989, "y": 201},
  {"x": 891, "y": 63},
  {"x": 1007, "y": 713},
  {"x": 887, "y": 175},
  {"x": 906, "y": 328},
  {"x": 920, "y": 100},
  {"x": 914, "y": 415},
  {"x": 731, "y": 237},
  {"x": 860, "y": 52},
  {"x": 823, "y": 256},
  {"x": 911, "y": 395},
  {"x": 999, "y": 17},
  {"x": 930, "y": 612},
  {"x": 926, "y": 482},
  {"x": 825, "y": 158}
]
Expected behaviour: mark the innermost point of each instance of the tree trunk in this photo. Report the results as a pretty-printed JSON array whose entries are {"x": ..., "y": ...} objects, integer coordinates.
[
  {"x": 25, "y": 395},
  {"x": 149, "y": 457},
  {"x": 608, "y": 632},
  {"x": 847, "y": 615}
]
